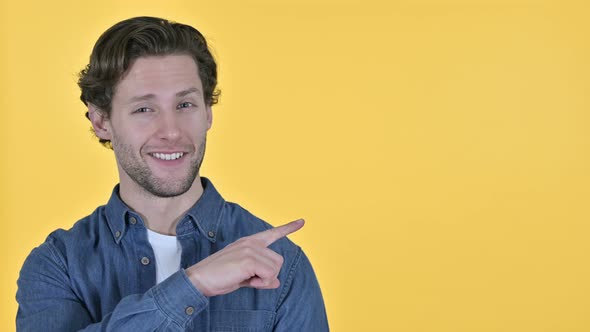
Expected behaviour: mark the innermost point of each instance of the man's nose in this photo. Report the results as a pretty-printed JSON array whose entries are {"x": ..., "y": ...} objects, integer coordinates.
[{"x": 169, "y": 126}]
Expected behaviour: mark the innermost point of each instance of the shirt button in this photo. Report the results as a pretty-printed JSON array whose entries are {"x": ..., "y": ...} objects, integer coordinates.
[
  {"x": 133, "y": 221},
  {"x": 117, "y": 234},
  {"x": 211, "y": 234},
  {"x": 189, "y": 310},
  {"x": 145, "y": 260}
]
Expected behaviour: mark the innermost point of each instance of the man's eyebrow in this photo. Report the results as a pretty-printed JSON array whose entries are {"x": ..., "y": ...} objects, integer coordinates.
[
  {"x": 144, "y": 97},
  {"x": 178, "y": 94},
  {"x": 187, "y": 92}
]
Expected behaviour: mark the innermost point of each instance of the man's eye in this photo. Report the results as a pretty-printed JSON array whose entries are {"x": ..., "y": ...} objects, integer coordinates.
[
  {"x": 141, "y": 110},
  {"x": 184, "y": 105}
]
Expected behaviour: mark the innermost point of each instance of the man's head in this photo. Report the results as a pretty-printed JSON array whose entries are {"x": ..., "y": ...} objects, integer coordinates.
[
  {"x": 124, "y": 42},
  {"x": 149, "y": 89}
]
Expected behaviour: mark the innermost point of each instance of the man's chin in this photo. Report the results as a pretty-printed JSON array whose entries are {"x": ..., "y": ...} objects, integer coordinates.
[
  {"x": 167, "y": 188},
  {"x": 167, "y": 192}
]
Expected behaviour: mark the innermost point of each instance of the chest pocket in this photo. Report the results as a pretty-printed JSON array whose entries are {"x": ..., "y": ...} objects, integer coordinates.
[{"x": 241, "y": 320}]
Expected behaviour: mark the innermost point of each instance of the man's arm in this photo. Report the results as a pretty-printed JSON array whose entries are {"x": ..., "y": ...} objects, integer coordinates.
[{"x": 47, "y": 302}]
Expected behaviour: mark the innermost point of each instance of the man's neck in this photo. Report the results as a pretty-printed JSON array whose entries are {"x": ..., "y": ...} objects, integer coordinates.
[{"x": 159, "y": 214}]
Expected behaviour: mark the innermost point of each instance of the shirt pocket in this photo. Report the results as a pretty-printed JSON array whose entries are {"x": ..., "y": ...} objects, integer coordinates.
[{"x": 241, "y": 320}]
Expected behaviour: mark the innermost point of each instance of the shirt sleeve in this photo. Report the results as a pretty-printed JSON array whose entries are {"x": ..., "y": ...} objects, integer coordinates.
[
  {"x": 301, "y": 303},
  {"x": 47, "y": 302}
]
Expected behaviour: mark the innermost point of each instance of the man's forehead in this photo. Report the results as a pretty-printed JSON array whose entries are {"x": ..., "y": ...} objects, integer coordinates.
[{"x": 169, "y": 74}]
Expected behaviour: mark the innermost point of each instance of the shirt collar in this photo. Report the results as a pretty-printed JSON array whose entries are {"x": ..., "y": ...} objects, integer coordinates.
[{"x": 205, "y": 213}]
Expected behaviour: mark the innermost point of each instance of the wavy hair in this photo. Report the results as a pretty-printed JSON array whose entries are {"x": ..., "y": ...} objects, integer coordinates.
[{"x": 136, "y": 37}]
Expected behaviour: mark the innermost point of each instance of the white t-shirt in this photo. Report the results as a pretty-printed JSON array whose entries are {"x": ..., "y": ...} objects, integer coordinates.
[{"x": 168, "y": 251}]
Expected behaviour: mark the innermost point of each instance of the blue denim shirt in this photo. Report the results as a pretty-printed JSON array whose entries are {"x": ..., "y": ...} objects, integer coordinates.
[{"x": 101, "y": 276}]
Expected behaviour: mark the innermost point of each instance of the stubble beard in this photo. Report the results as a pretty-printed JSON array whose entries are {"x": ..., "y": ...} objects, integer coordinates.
[{"x": 140, "y": 173}]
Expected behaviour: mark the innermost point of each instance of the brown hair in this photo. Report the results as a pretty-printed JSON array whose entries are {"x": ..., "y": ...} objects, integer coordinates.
[{"x": 130, "y": 39}]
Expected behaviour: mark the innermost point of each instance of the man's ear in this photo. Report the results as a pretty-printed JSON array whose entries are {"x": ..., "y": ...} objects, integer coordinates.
[
  {"x": 100, "y": 122},
  {"x": 209, "y": 117}
]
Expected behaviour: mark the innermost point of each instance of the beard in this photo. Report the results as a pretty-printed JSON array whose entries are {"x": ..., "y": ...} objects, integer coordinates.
[{"x": 138, "y": 170}]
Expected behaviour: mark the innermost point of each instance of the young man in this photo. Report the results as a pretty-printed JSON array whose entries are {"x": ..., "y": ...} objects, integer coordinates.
[{"x": 166, "y": 253}]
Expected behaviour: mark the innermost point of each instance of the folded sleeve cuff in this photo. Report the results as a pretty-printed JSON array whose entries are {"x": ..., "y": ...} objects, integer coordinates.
[{"x": 179, "y": 299}]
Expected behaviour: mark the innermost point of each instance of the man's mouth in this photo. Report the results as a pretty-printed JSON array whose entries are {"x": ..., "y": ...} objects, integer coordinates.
[{"x": 167, "y": 156}]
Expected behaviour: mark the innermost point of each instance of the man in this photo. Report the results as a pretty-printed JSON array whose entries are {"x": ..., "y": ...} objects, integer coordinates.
[{"x": 166, "y": 253}]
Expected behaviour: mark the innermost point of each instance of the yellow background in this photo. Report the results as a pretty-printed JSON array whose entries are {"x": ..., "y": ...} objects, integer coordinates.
[{"x": 439, "y": 150}]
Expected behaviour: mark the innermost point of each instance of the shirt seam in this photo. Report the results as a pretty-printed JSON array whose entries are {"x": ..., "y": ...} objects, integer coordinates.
[
  {"x": 53, "y": 251},
  {"x": 289, "y": 278}
]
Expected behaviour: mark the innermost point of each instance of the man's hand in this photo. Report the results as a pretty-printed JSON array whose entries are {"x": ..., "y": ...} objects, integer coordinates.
[{"x": 245, "y": 263}]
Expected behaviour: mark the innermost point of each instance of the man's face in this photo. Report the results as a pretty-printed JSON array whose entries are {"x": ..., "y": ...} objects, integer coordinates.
[{"x": 158, "y": 124}]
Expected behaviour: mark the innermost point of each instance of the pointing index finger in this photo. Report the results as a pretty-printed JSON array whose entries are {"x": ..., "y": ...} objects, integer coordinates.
[{"x": 269, "y": 236}]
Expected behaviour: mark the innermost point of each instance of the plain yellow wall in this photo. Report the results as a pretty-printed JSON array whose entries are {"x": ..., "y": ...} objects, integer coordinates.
[{"x": 439, "y": 150}]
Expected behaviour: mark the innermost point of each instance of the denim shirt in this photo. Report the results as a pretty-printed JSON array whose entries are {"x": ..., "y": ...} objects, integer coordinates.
[{"x": 101, "y": 276}]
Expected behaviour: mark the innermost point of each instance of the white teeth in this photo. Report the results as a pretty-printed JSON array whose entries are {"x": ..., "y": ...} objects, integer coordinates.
[{"x": 168, "y": 156}]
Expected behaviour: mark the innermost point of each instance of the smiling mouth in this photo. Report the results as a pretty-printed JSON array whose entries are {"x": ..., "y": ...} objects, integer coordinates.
[{"x": 167, "y": 156}]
